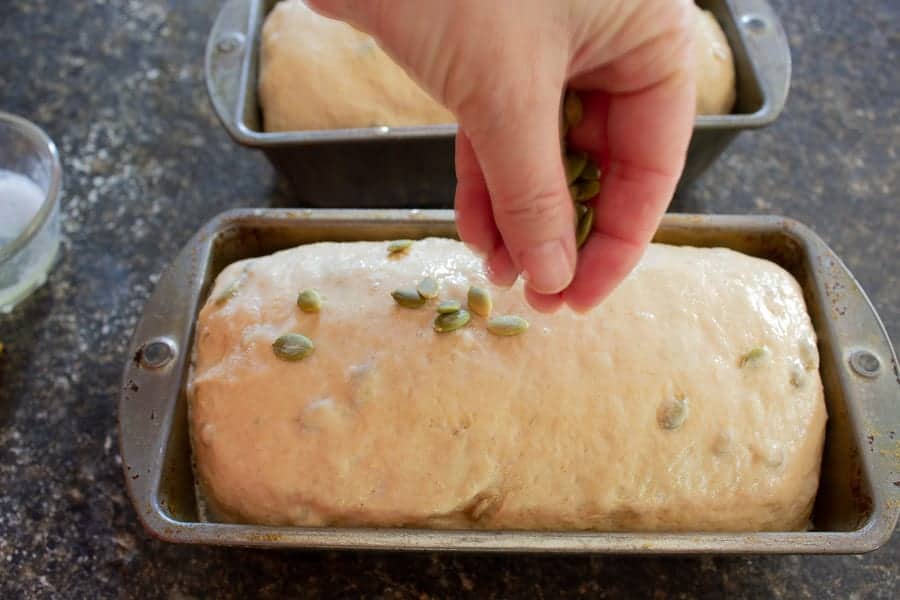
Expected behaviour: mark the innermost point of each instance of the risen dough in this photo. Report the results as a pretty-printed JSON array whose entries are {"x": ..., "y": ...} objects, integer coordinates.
[
  {"x": 388, "y": 423},
  {"x": 319, "y": 73},
  {"x": 715, "y": 66}
]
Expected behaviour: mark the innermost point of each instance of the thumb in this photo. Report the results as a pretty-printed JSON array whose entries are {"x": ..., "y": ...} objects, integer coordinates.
[
  {"x": 517, "y": 146},
  {"x": 363, "y": 14}
]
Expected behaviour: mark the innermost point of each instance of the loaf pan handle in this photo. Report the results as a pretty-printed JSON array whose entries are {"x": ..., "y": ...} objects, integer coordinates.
[
  {"x": 158, "y": 360},
  {"x": 227, "y": 52},
  {"x": 869, "y": 373},
  {"x": 769, "y": 52}
]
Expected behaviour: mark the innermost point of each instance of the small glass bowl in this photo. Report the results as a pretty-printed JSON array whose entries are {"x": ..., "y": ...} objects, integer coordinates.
[{"x": 29, "y": 241}]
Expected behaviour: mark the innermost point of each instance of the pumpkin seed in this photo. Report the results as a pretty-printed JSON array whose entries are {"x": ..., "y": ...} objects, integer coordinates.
[
  {"x": 428, "y": 288},
  {"x": 448, "y": 306},
  {"x": 479, "y": 300},
  {"x": 573, "y": 192},
  {"x": 447, "y": 322},
  {"x": 769, "y": 452},
  {"x": 809, "y": 354},
  {"x": 408, "y": 297},
  {"x": 590, "y": 172},
  {"x": 754, "y": 356},
  {"x": 309, "y": 301},
  {"x": 580, "y": 211},
  {"x": 587, "y": 189},
  {"x": 507, "y": 325},
  {"x": 574, "y": 163},
  {"x": 798, "y": 376},
  {"x": 672, "y": 412},
  {"x": 229, "y": 292},
  {"x": 584, "y": 227},
  {"x": 483, "y": 505},
  {"x": 232, "y": 288},
  {"x": 293, "y": 346},
  {"x": 723, "y": 442},
  {"x": 398, "y": 246},
  {"x": 573, "y": 109}
]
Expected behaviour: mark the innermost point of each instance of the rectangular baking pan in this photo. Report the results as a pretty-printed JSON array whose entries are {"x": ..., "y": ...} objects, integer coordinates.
[
  {"x": 859, "y": 495},
  {"x": 412, "y": 167}
]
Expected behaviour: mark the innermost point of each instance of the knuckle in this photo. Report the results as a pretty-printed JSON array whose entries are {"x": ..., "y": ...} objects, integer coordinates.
[{"x": 543, "y": 209}]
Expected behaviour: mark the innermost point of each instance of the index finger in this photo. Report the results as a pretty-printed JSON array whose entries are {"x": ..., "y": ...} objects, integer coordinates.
[{"x": 644, "y": 137}]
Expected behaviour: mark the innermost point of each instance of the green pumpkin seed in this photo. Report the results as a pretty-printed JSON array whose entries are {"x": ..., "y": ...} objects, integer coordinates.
[
  {"x": 293, "y": 346},
  {"x": 479, "y": 300},
  {"x": 754, "y": 356},
  {"x": 574, "y": 163},
  {"x": 769, "y": 452},
  {"x": 229, "y": 292},
  {"x": 398, "y": 246},
  {"x": 809, "y": 354},
  {"x": 309, "y": 301},
  {"x": 672, "y": 412},
  {"x": 723, "y": 442},
  {"x": 580, "y": 211},
  {"x": 483, "y": 505},
  {"x": 572, "y": 109},
  {"x": 584, "y": 227},
  {"x": 507, "y": 325},
  {"x": 587, "y": 190},
  {"x": 573, "y": 192},
  {"x": 447, "y": 322},
  {"x": 408, "y": 297},
  {"x": 590, "y": 172},
  {"x": 798, "y": 376},
  {"x": 428, "y": 288},
  {"x": 232, "y": 288},
  {"x": 449, "y": 306}
]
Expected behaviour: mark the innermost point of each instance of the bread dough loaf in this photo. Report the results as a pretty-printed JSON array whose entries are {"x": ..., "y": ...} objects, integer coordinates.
[
  {"x": 389, "y": 423},
  {"x": 320, "y": 73},
  {"x": 715, "y": 66}
]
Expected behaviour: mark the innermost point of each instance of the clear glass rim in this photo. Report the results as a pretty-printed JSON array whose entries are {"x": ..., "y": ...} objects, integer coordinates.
[{"x": 52, "y": 196}]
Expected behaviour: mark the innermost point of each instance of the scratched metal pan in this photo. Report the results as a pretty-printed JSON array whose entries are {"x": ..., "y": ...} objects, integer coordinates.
[
  {"x": 858, "y": 498},
  {"x": 412, "y": 167}
]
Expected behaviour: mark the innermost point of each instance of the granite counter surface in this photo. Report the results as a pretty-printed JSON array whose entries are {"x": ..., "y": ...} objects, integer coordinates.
[{"x": 119, "y": 85}]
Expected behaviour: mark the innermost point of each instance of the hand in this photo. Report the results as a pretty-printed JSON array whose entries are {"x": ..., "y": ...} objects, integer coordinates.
[{"x": 501, "y": 68}]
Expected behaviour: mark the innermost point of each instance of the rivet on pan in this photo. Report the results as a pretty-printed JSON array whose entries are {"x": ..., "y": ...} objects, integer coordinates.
[
  {"x": 754, "y": 23},
  {"x": 157, "y": 353},
  {"x": 229, "y": 42},
  {"x": 865, "y": 363}
]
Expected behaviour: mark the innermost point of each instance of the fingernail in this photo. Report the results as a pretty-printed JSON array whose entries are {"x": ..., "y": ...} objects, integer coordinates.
[{"x": 546, "y": 267}]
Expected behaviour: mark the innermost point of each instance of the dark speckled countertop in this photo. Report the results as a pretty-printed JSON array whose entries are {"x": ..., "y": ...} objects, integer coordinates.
[{"x": 119, "y": 85}]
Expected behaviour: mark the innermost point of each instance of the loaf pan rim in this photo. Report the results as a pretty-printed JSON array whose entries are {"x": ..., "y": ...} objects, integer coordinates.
[
  {"x": 871, "y": 534},
  {"x": 233, "y": 120}
]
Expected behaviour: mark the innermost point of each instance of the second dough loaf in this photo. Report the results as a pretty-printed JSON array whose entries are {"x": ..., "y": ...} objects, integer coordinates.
[{"x": 319, "y": 73}]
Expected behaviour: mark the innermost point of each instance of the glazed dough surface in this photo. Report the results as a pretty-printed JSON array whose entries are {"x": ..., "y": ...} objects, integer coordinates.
[{"x": 388, "y": 423}]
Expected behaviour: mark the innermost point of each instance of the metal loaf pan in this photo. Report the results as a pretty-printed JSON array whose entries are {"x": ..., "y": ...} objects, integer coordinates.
[
  {"x": 412, "y": 167},
  {"x": 859, "y": 495}
]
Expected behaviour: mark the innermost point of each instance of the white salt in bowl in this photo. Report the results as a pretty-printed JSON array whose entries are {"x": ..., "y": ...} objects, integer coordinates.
[{"x": 30, "y": 184}]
